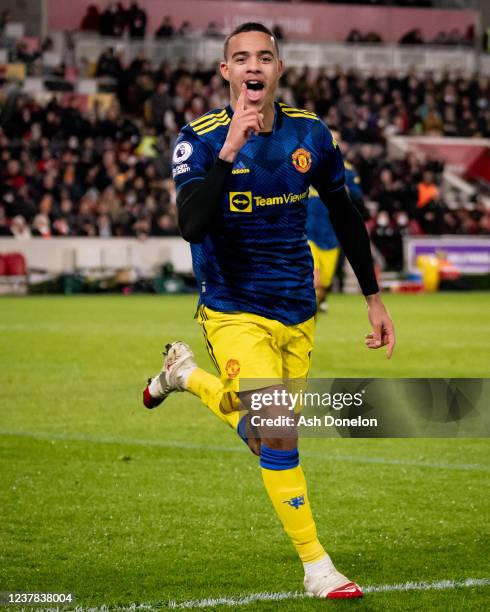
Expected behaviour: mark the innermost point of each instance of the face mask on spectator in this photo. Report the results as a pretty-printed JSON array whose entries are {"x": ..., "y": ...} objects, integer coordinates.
[{"x": 402, "y": 219}]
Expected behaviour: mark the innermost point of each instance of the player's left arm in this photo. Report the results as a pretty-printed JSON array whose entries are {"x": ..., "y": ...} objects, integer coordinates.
[
  {"x": 328, "y": 180},
  {"x": 353, "y": 184}
]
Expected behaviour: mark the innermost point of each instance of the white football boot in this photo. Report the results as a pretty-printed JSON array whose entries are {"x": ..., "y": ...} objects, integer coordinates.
[
  {"x": 178, "y": 363},
  {"x": 324, "y": 581}
]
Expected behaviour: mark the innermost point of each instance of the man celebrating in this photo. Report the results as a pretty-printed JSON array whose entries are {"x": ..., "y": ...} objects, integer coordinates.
[{"x": 243, "y": 175}]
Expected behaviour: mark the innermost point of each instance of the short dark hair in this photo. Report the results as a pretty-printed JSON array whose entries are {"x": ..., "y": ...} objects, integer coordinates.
[{"x": 250, "y": 26}]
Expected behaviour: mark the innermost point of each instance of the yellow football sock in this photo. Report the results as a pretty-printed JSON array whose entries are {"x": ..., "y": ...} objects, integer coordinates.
[
  {"x": 209, "y": 389},
  {"x": 287, "y": 490}
]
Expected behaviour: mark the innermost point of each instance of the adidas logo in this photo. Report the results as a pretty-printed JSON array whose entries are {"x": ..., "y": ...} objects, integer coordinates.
[{"x": 240, "y": 168}]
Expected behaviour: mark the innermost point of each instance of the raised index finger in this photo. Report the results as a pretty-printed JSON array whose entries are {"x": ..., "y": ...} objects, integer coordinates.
[{"x": 240, "y": 103}]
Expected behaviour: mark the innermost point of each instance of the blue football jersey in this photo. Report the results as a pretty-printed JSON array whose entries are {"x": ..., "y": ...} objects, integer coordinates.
[
  {"x": 318, "y": 225},
  {"x": 256, "y": 256},
  {"x": 352, "y": 181}
]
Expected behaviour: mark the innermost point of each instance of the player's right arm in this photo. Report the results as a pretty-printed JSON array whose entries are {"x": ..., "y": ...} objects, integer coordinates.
[
  {"x": 200, "y": 188},
  {"x": 200, "y": 183},
  {"x": 246, "y": 121}
]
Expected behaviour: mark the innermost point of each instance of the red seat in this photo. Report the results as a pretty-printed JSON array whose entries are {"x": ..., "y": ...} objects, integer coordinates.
[{"x": 15, "y": 264}]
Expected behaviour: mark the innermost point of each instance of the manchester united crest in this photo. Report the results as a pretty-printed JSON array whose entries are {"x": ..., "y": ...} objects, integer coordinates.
[
  {"x": 301, "y": 160},
  {"x": 232, "y": 368}
]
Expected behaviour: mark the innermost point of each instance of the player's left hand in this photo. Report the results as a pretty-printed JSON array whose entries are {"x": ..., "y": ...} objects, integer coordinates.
[{"x": 383, "y": 333}]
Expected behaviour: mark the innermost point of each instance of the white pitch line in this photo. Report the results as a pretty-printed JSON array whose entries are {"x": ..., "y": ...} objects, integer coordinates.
[
  {"x": 53, "y": 436},
  {"x": 381, "y": 588},
  {"x": 440, "y": 585},
  {"x": 243, "y": 600}
]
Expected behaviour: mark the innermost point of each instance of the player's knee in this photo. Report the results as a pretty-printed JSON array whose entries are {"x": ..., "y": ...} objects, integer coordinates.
[
  {"x": 281, "y": 444},
  {"x": 272, "y": 416}
]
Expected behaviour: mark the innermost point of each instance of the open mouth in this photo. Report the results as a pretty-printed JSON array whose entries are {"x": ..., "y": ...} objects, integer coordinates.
[
  {"x": 254, "y": 85},
  {"x": 255, "y": 90}
]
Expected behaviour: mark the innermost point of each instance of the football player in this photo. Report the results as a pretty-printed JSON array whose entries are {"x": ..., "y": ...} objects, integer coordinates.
[{"x": 243, "y": 173}]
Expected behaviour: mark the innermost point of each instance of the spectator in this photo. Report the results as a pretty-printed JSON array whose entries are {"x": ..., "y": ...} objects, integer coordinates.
[
  {"x": 386, "y": 237},
  {"x": 450, "y": 123},
  {"x": 165, "y": 226},
  {"x": 22, "y": 54},
  {"x": 412, "y": 37},
  {"x": 354, "y": 36},
  {"x": 433, "y": 123},
  {"x": 485, "y": 40},
  {"x": 113, "y": 20},
  {"x": 137, "y": 19},
  {"x": 212, "y": 31},
  {"x": 108, "y": 64},
  {"x": 469, "y": 35},
  {"x": 104, "y": 226},
  {"x": 4, "y": 225},
  {"x": 166, "y": 29},
  {"x": 106, "y": 21},
  {"x": 19, "y": 228},
  {"x": 157, "y": 105},
  {"x": 429, "y": 213},
  {"x": 41, "y": 226},
  {"x": 428, "y": 193},
  {"x": 47, "y": 45},
  {"x": 5, "y": 19},
  {"x": 278, "y": 32},
  {"x": 61, "y": 228},
  {"x": 91, "y": 20},
  {"x": 373, "y": 38},
  {"x": 185, "y": 29}
]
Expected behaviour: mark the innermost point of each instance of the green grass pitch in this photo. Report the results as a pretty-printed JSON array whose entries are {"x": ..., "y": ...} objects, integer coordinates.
[{"x": 122, "y": 505}]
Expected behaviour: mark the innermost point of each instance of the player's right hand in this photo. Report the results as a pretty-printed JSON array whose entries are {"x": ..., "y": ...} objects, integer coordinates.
[
  {"x": 383, "y": 332},
  {"x": 245, "y": 122}
]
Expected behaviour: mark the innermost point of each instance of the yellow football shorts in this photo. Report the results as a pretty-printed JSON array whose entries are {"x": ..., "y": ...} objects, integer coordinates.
[
  {"x": 325, "y": 261},
  {"x": 247, "y": 346}
]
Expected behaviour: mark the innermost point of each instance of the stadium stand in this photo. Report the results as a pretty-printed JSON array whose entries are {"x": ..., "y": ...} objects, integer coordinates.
[
  {"x": 97, "y": 163},
  {"x": 115, "y": 21}
]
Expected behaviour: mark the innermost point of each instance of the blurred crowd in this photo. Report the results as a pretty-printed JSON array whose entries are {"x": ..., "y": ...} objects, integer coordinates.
[
  {"x": 404, "y": 197},
  {"x": 455, "y": 37},
  {"x": 116, "y": 20},
  {"x": 104, "y": 170},
  {"x": 367, "y": 108},
  {"x": 70, "y": 173}
]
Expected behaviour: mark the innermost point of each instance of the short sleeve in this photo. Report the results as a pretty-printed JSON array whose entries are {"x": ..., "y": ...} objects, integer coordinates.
[
  {"x": 192, "y": 158},
  {"x": 330, "y": 173}
]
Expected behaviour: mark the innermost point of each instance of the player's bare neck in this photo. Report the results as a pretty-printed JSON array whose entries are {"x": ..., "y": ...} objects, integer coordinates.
[{"x": 269, "y": 112}]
